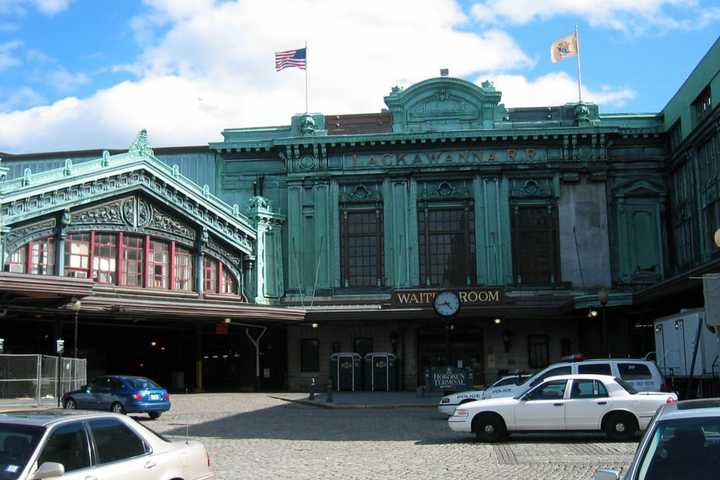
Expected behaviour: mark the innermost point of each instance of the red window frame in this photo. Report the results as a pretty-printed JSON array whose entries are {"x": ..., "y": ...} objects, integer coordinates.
[
  {"x": 133, "y": 277},
  {"x": 159, "y": 265},
  {"x": 229, "y": 283},
  {"x": 81, "y": 267},
  {"x": 104, "y": 258},
  {"x": 210, "y": 274},
  {"x": 42, "y": 253},
  {"x": 183, "y": 269},
  {"x": 17, "y": 261}
]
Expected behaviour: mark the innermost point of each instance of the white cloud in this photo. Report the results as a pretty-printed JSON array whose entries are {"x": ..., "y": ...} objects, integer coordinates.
[
  {"x": 46, "y": 7},
  {"x": 23, "y": 97},
  {"x": 7, "y": 58},
  {"x": 555, "y": 89},
  {"x": 627, "y": 15},
  {"x": 64, "y": 81},
  {"x": 214, "y": 69}
]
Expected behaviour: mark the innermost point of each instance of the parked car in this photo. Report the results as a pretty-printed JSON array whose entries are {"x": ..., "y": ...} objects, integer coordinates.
[
  {"x": 563, "y": 403},
  {"x": 682, "y": 442},
  {"x": 449, "y": 403},
  {"x": 85, "y": 445},
  {"x": 120, "y": 394},
  {"x": 643, "y": 375}
]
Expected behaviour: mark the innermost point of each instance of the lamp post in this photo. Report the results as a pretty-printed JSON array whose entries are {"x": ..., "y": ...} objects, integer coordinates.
[
  {"x": 603, "y": 297},
  {"x": 75, "y": 306}
]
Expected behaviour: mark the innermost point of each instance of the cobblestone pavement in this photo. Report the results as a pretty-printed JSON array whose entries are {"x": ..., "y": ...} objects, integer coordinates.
[{"x": 254, "y": 436}]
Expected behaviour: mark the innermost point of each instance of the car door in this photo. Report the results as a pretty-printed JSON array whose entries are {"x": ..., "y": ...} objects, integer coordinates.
[
  {"x": 68, "y": 444},
  {"x": 588, "y": 403},
  {"x": 102, "y": 393},
  {"x": 120, "y": 453},
  {"x": 85, "y": 398},
  {"x": 542, "y": 408}
]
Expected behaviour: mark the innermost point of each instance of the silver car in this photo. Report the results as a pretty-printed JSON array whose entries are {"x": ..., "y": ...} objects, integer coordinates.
[
  {"x": 682, "y": 442},
  {"x": 78, "y": 445}
]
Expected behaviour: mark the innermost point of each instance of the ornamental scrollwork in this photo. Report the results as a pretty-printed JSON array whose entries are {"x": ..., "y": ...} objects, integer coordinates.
[
  {"x": 18, "y": 236},
  {"x": 108, "y": 213}
]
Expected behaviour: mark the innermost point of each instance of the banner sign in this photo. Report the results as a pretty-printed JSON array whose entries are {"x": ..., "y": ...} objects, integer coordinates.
[
  {"x": 468, "y": 297},
  {"x": 441, "y": 158},
  {"x": 447, "y": 377}
]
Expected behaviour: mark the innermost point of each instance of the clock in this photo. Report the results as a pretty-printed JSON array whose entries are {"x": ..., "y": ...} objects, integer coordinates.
[{"x": 446, "y": 303}]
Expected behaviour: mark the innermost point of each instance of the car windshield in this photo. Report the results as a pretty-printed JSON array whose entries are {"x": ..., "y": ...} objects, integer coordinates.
[
  {"x": 140, "y": 383},
  {"x": 629, "y": 388},
  {"x": 681, "y": 449},
  {"x": 17, "y": 444}
]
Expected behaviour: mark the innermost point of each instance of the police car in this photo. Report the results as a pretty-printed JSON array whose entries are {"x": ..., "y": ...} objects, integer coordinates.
[
  {"x": 448, "y": 403},
  {"x": 643, "y": 375}
]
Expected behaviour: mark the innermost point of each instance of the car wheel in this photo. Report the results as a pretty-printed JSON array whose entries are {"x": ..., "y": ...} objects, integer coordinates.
[
  {"x": 154, "y": 415},
  {"x": 489, "y": 428},
  {"x": 621, "y": 427},
  {"x": 70, "y": 404},
  {"x": 117, "y": 408}
]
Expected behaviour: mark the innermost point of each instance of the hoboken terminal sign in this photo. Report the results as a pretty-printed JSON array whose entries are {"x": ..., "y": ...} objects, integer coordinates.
[{"x": 468, "y": 296}]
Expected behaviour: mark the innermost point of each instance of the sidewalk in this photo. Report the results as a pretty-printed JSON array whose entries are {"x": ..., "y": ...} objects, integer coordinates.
[{"x": 349, "y": 400}]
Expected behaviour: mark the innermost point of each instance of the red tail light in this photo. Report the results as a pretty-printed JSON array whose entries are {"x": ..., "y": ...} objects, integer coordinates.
[
  {"x": 166, "y": 396},
  {"x": 671, "y": 400},
  {"x": 137, "y": 396}
]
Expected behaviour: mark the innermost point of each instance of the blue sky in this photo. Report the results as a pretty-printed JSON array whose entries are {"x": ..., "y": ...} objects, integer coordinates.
[{"x": 90, "y": 73}]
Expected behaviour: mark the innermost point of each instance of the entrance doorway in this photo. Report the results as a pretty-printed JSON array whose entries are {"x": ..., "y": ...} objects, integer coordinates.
[{"x": 465, "y": 349}]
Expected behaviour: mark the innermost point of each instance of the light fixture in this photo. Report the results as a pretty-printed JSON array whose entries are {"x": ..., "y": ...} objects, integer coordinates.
[
  {"x": 315, "y": 325},
  {"x": 717, "y": 237},
  {"x": 162, "y": 349},
  {"x": 153, "y": 343},
  {"x": 658, "y": 328},
  {"x": 592, "y": 313},
  {"x": 497, "y": 321},
  {"x": 227, "y": 320},
  {"x": 75, "y": 305}
]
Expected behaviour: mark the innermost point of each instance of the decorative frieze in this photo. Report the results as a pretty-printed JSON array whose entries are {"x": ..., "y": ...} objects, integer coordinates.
[{"x": 20, "y": 235}]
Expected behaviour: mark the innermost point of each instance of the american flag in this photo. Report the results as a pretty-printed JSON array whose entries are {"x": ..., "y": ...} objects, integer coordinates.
[{"x": 291, "y": 58}]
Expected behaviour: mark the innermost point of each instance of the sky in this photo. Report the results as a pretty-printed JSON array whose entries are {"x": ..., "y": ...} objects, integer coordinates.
[{"x": 78, "y": 74}]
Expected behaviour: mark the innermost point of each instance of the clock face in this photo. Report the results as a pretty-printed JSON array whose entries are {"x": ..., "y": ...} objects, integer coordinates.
[{"x": 446, "y": 303}]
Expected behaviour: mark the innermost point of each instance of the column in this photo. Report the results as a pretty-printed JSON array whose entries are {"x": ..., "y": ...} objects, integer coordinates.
[{"x": 198, "y": 359}]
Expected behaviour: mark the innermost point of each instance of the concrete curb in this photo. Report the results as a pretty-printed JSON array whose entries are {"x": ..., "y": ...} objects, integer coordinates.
[{"x": 348, "y": 406}]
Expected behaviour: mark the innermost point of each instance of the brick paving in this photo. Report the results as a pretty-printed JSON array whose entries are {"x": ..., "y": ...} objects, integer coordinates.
[{"x": 255, "y": 436}]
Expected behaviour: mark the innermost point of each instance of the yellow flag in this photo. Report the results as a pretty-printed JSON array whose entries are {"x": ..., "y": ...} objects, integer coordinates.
[{"x": 563, "y": 48}]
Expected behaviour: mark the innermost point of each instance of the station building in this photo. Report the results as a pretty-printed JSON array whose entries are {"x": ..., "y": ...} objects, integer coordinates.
[{"x": 562, "y": 229}]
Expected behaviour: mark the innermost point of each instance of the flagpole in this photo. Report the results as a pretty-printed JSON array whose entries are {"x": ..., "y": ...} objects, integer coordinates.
[
  {"x": 579, "y": 77},
  {"x": 306, "y": 79}
]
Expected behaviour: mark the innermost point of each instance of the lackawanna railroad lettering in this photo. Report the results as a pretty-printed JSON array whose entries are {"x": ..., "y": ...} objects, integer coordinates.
[{"x": 467, "y": 296}]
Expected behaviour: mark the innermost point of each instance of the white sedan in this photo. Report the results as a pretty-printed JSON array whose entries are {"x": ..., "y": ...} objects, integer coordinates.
[
  {"x": 76, "y": 445},
  {"x": 563, "y": 403},
  {"x": 449, "y": 403}
]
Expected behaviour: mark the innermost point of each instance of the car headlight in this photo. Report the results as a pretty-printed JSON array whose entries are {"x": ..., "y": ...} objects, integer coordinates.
[
  {"x": 460, "y": 413},
  {"x": 445, "y": 400}
]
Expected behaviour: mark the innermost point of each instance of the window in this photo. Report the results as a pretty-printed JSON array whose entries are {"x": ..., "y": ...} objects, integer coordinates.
[
  {"x": 210, "y": 267},
  {"x": 229, "y": 285},
  {"x": 43, "y": 256},
  {"x": 105, "y": 258},
  {"x": 554, "y": 390},
  {"x": 159, "y": 265},
  {"x": 77, "y": 255},
  {"x": 538, "y": 351},
  {"x": 17, "y": 444},
  {"x": 595, "y": 369},
  {"x": 115, "y": 441},
  {"x": 17, "y": 262},
  {"x": 702, "y": 105},
  {"x": 447, "y": 246},
  {"x": 535, "y": 246},
  {"x": 68, "y": 444},
  {"x": 133, "y": 261},
  {"x": 183, "y": 269},
  {"x": 634, "y": 371},
  {"x": 309, "y": 355},
  {"x": 588, "y": 389},
  {"x": 553, "y": 372},
  {"x": 361, "y": 248}
]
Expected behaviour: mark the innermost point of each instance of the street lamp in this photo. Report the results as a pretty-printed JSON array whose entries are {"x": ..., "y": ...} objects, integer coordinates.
[
  {"x": 75, "y": 306},
  {"x": 603, "y": 296},
  {"x": 717, "y": 237}
]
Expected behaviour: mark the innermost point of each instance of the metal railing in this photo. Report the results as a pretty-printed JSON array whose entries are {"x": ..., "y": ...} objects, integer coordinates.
[{"x": 34, "y": 380}]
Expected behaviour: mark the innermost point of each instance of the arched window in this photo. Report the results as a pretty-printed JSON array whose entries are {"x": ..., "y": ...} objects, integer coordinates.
[
  {"x": 43, "y": 256},
  {"x": 133, "y": 261},
  {"x": 104, "y": 258},
  {"x": 183, "y": 269},
  {"x": 210, "y": 276},
  {"x": 17, "y": 261},
  {"x": 77, "y": 255},
  {"x": 229, "y": 284},
  {"x": 159, "y": 265}
]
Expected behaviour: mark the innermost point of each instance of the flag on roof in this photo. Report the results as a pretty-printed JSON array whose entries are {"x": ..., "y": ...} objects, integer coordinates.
[
  {"x": 563, "y": 48},
  {"x": 291, "y": 58}
]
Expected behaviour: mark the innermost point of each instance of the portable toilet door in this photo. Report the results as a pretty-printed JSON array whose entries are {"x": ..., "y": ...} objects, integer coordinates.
[
  {"x": 346, "y": 374},
  {"x": 381, "y": 371}
]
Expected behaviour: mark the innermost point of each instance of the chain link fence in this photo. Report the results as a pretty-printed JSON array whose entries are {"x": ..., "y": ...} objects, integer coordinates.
[{"x": 34, "y": 380}]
